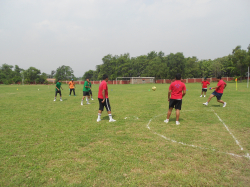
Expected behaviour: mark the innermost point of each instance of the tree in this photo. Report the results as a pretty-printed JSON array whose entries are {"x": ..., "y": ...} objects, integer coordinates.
[
  {"x": 32, "y": 74},
  {"x": 6, "y": 74},
  {"x": 64, "y": 73},
  {"x": 88, "y": 74}
]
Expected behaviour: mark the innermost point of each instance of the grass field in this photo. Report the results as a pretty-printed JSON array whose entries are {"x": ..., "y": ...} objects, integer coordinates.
[{"x": 47, "y": 143}]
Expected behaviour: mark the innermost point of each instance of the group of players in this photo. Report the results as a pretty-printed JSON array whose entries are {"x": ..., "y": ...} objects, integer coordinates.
[
  {"x": 177, "y": 90},
  {"x": 102, "y": 95}
]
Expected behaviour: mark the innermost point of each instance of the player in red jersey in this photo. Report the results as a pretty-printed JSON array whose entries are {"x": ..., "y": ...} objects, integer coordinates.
[
  {"x": 204, "y": 86},
  {"x": 177, "y": 90},
  {"x": 104, "y": 99},
  {"x": 219, "y": 89}
]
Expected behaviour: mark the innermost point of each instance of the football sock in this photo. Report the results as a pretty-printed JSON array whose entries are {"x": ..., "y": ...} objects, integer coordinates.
[
  {"x": 60, "y": 97},
  {"x": 110, "y": 116},
  {"x": 99, "y": 116}
]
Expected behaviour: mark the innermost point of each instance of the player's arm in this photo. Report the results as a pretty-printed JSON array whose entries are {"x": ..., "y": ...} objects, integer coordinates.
[
  {"x": 169, "y": 94},
  {"x": 183, "y": 93},
  {"x": 214, "y": 87},
  {"x": 225, "y": 85},
  {"x": 103, "y": 94},
  {"x": 57, "y": 88}
]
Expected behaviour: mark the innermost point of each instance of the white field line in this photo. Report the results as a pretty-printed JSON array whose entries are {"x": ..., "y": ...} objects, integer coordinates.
[
  {"x": 237, "y": 142},
  {"x": 194, "y": 146}
]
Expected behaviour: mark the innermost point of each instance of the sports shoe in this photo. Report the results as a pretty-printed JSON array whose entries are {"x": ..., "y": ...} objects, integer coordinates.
[
  {"x": 112, "y": 120},
  {"x": 177, "y": 123},
  {"x": 88, "y": 103},
  {"x": 61, "y": 100},
  {"x": 69, "y": 95},
  {"x": 201, "y": 96},
  {"x": 224, "y": 105},
  {"x": 98, "y": 120},
  {"x": 205, "y": 103},
  {"x": 81, "y": 103},
  {"x": 166, "y": 121},
  {"x": 54, "y": 99},
  {"x": 204, "y": 96},
  {"x": 92, "y": 99}
]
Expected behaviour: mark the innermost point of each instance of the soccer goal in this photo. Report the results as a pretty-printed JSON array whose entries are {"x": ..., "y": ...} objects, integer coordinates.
[{"x": 135, "y": 80}]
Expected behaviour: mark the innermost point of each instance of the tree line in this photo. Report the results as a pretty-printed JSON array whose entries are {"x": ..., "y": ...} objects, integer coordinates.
[
  {"x": 153, "y": 64},
  {"x": 163, "y": 66},
  {"x": 14, "y": 74}
]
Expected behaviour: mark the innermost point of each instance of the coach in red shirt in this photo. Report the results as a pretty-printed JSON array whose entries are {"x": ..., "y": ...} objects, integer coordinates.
[
  {"x": 218, "y": 92},
  {"x": 104, "y": 99},
  {"x": 177, "y": 90}
]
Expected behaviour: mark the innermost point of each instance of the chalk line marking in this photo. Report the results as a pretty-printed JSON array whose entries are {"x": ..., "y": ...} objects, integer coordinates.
[
  {"x": 237, "y": 142},
  {"x": 194, "y": 146}
]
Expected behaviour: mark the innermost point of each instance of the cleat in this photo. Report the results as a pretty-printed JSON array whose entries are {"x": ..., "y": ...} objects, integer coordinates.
[
  {"x": 201, "y": 96},
  {"x": 224, "y": 105},
  {"x": 54, "y": 99},
  {"x": 61, "y": 100},
  {"x": 177, "y": 123},
  {"x": 112, "y": 120},
  {"x": 81, "y": 103},
  {"x": 98, "y": 120},
  {"x": 205, "y": 104},
  {"x": 92, "y": 99},
  {"x": 166, "y": 121}
]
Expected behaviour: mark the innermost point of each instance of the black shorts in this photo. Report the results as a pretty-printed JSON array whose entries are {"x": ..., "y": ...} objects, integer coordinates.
[
  {"x": 105, "y": 104},
  {"x": 218, "y": 95},
  {"x": 90, "y": 92},
  {"x": 174, "y": 103},
  {"x": 85, "y": 93},
  {"x": 204, "y": 90},
  {"x": 58, "y": 92}
]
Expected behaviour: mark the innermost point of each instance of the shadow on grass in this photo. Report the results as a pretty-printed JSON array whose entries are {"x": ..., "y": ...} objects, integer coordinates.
[{"x": 215, "y": 105}]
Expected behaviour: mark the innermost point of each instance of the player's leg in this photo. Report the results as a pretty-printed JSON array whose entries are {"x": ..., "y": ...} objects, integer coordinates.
[
  {"x": 170, "y": 108},
  {"x": 201, "y": 92},
  {"x": 177, "y": 116},
  {"x": 178, "y": 104},
  {"x": 87, "y": 97},
  {"x": 205, "y": 92},
  {"x": 91, "y": 94},
  {"x": 84, "y": 94},
  {"x": 101, "y": 106},
  {"x": 60, "y": 95},
  {"x": 221, "y": 101},
  {"x": 108, "y": 107},
  {"x": 55, "y": 95},
  {"x": 74, "y": 92},
  {"x": 70, "y": 92},
  {"x": 209, "y": 99}
]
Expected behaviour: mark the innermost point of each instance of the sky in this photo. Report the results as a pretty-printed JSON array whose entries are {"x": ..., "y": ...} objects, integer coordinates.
[{"x": 47, "y": 34}]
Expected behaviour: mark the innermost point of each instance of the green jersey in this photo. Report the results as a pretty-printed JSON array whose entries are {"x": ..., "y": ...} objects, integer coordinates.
[
  {"x": 84, "y": 88},
  {"x": 58, "y": 85}
]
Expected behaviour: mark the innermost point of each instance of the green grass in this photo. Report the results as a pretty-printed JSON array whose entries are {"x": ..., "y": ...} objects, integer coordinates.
[{"x": 47, "y": 143}]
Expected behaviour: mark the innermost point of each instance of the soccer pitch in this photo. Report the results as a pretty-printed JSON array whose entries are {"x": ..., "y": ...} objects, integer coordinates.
[{"x": 47, "y": 143}]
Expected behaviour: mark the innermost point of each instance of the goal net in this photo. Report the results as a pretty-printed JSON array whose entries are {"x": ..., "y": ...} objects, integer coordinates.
[{"x": 135, "y": 80}]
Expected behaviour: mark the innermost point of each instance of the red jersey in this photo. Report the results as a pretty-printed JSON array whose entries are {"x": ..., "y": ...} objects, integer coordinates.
[
  {"x": 221, "y": 87},
  {"x": 204, "y": 84},
  {"x": 177, "y": 87},
  {"x": 103, "y": 86}
]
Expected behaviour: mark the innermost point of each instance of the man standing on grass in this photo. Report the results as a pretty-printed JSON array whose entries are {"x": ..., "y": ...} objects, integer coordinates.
[
  {"x": 86, "y": 89},
  {"x": 72, "y": 87},
  {"x": 218, "y": 92},
  {"x": 177, "y": 90},
  {"x": 58, "y": 87},
  {"x": 104, "y": 99},
  {"x": 204, "y": 86},
  {"x": 90, "y": 92}
]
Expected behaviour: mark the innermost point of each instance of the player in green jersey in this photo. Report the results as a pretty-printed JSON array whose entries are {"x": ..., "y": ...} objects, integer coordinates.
[
  {"x": 86, "y": 88},
  {"x": 58, "y": 89}
]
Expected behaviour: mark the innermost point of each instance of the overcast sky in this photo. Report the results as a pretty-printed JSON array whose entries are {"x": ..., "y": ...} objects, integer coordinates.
[{"x": 47, "y": 34}]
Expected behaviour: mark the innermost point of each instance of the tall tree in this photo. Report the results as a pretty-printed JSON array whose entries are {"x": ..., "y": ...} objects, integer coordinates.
[
  {"x": 31, "y": 75},
  {"x": 64, "y": 73}
]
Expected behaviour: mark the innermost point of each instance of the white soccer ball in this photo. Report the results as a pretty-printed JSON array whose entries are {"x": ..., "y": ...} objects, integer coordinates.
[{"x": 153, "y": 88}]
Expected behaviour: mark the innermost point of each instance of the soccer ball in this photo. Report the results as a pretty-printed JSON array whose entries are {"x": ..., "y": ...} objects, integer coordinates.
[{"x": 153, "y": 88}]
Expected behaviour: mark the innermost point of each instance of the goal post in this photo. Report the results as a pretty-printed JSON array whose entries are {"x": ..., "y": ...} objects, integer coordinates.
[{"x": 135, "y": 80}]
